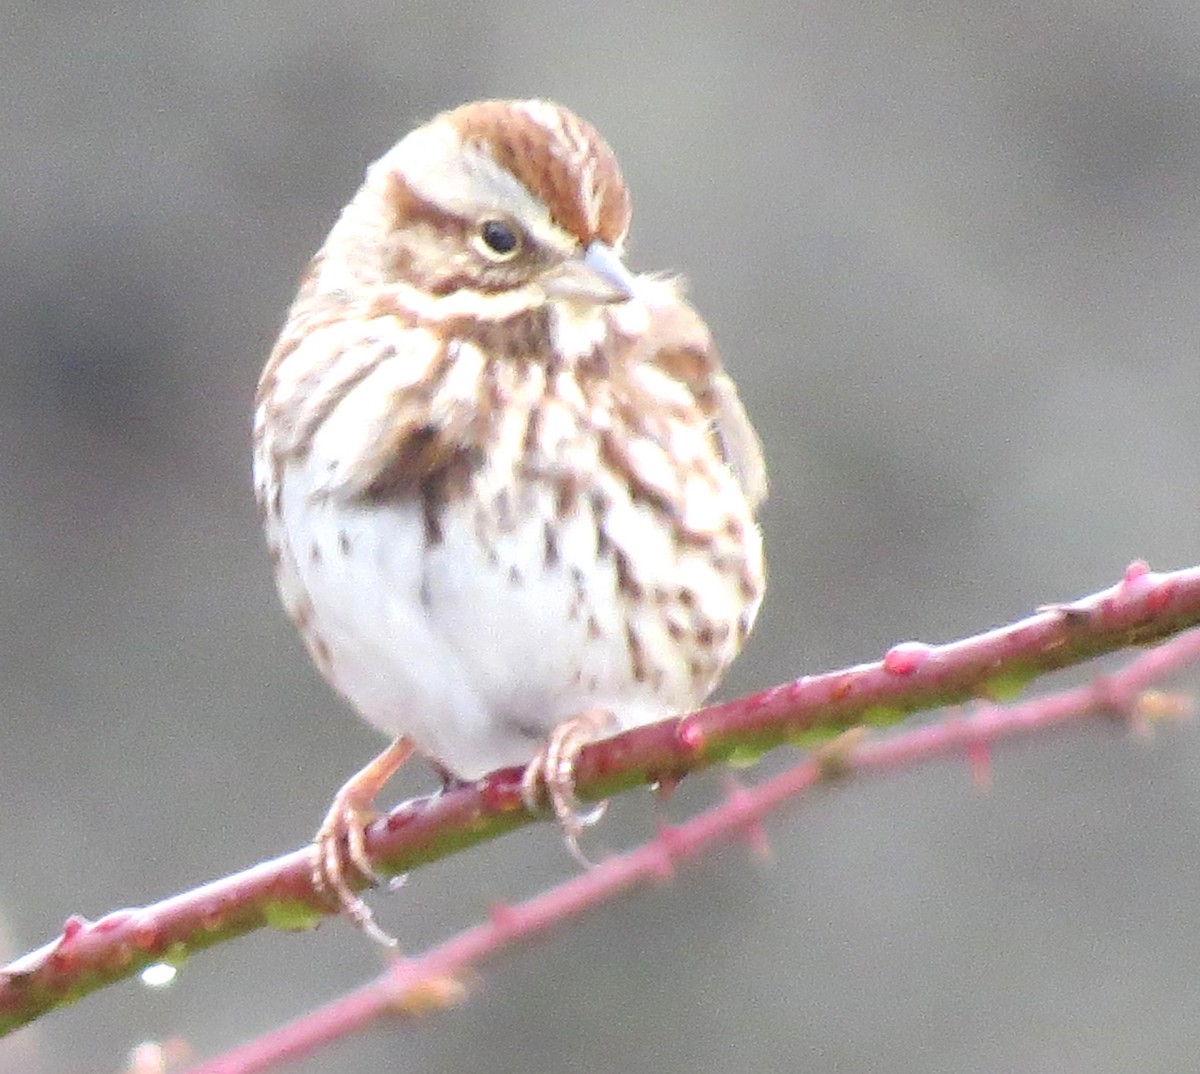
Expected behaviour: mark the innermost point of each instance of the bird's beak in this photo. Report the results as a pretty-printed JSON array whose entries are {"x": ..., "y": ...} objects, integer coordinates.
[{"x": 598, "y": 276}]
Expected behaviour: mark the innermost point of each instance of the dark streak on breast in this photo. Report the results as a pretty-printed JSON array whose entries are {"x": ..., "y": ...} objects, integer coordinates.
[
  {"x": 637, "y": 655},
  {"x": 550, "y": 553},
  {"x": 432, "y": 505},
  {"x": 627, "y": 584}
]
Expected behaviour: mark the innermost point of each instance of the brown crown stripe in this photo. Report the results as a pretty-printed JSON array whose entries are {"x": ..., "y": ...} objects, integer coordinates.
[{"x": 543, "y": 158}]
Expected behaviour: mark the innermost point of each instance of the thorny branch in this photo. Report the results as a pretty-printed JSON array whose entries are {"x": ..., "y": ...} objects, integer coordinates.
[
  {"x": 412, "y": 987},
  {"x": 1143, "y": 608}
]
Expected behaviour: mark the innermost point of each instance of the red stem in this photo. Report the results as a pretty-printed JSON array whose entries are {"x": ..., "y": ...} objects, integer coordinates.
[
  {"x": 1141, "y": 608},
  {"x": 740, "y": 814}
]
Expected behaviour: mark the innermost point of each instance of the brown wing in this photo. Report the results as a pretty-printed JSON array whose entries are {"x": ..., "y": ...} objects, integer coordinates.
[
  {"x": 682, "y": 346},
  {"x": 739, "y": 442}
]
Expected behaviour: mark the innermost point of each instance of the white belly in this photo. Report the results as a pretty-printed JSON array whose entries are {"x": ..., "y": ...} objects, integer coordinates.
[{"x": 477, "y": 652}]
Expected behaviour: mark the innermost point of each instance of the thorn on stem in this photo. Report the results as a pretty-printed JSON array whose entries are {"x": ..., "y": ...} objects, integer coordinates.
[
  {"x": 1110, "y": 696},
  {"x": 664, "y": 787},
  {"x": 979, "y": 760},
  {"x": 753, "y": 830},
  {"x": 673, "y": 849}
]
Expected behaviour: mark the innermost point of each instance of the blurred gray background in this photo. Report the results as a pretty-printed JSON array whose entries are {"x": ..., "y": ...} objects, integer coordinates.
[{"x": 951, "y": 251}]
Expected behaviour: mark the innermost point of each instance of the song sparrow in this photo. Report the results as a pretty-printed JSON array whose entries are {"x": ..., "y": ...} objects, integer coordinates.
[{"x": 508, "y": 488}]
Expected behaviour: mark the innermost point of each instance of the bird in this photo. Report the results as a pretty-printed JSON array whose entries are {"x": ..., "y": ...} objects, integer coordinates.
[{"x": 508, "y": 489}]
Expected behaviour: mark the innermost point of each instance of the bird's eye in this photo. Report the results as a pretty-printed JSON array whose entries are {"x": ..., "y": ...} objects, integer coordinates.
[{"x": 500, "y": 239}]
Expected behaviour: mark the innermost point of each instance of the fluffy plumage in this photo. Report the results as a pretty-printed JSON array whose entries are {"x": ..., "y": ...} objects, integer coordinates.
[{"x": 503, "y": 481}]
